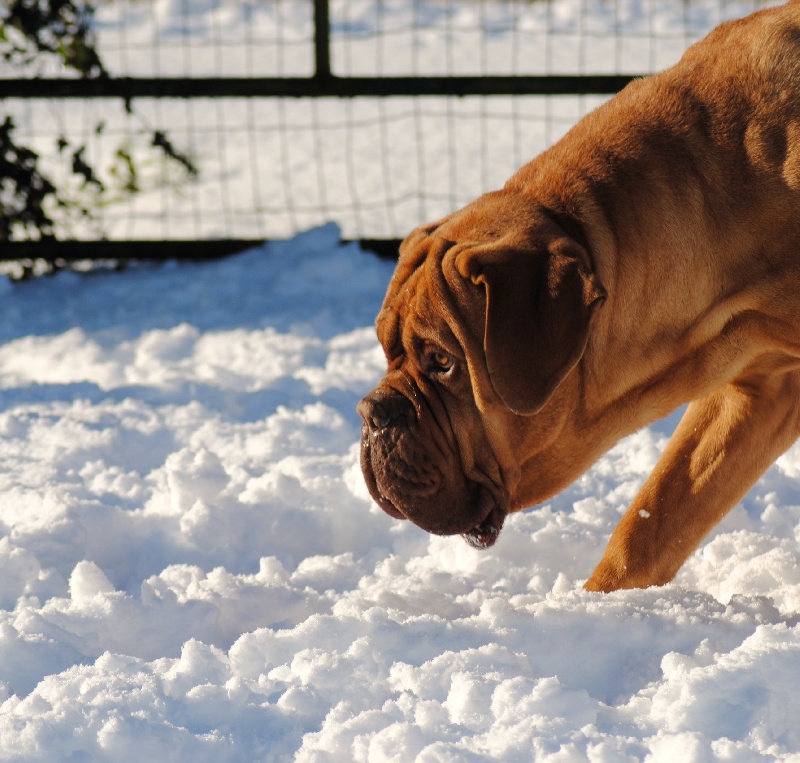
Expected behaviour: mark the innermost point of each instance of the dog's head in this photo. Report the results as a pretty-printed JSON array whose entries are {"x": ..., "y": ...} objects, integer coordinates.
[{"x": 487, "y": 313}]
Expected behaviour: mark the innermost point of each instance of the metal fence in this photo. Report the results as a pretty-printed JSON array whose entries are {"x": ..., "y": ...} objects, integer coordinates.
[{"x": 374, "y": 114}]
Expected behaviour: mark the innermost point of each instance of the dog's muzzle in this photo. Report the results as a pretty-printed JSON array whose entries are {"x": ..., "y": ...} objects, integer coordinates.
[
  {"x": 410, "y": 477},
  {"x": 385, "y": 416}
]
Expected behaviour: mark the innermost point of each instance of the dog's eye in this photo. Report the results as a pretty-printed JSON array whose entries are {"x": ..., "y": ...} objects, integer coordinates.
[{"x": 440, "y": 361}]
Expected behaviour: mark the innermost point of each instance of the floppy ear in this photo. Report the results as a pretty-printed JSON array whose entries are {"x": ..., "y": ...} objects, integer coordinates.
[{"x": 538, "y": 307}]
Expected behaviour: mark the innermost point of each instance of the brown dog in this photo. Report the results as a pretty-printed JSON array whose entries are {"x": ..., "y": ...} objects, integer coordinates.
[{"x": 648, "y": 259}]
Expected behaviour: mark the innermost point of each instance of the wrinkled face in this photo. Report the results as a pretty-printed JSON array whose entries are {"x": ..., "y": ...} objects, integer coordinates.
[
  {"x": 424, "y": 450},
  {"x": 487, "y": 313}
]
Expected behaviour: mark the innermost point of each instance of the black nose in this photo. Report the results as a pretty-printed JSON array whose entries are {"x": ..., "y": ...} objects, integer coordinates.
[{"x": 381, "y": 410}]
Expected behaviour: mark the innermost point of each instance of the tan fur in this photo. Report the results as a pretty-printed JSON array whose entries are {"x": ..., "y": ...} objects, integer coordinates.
[{"x": 649, "y": 259}]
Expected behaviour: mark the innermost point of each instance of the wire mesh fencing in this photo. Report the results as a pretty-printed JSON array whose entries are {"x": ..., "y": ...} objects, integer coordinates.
[{"x": 271, "y": 161}]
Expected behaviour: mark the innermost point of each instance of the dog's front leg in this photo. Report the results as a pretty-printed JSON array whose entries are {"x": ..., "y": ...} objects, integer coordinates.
[{"x": 720, "y": 448}]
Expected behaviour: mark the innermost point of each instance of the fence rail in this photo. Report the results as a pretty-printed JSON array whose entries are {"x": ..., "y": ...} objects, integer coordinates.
[
  {"x": 318, "y": 86},
  {"x": 145, "y": 250}
]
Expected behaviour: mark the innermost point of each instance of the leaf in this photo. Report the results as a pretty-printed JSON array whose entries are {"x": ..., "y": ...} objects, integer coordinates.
[{"x": 161, "y": 141}]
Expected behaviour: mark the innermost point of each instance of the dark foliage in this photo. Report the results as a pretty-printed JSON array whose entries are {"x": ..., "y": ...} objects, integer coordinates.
[
  {"x": 23, "y": 189},
  {"x": 58, "y": 27},
  {"x": 30, "y": 202}
]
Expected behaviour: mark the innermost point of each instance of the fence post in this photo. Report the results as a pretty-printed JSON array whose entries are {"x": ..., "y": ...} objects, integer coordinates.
[{"x": 322, "y": 40}]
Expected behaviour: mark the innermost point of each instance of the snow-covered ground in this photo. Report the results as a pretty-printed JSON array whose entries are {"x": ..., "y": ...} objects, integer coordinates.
[{"x": 193, "y": 569}]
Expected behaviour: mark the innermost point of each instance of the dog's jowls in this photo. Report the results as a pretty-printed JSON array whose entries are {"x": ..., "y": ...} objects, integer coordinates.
[{"x": 649, "y": 259}]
